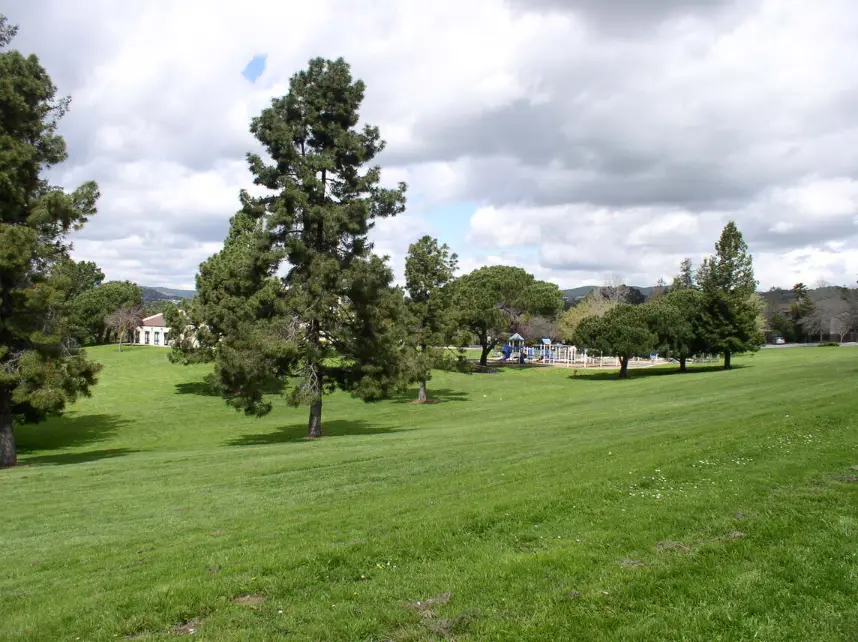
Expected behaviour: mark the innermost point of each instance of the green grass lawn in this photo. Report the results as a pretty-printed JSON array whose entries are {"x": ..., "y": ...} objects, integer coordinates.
[{"x": 527, "y": 505}]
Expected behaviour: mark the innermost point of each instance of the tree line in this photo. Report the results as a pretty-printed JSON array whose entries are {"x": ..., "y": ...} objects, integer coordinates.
[{"x": 297, "y": 301}]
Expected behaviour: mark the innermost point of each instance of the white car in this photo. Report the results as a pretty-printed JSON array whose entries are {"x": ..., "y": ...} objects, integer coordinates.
[{"x": 778, "y": 341}]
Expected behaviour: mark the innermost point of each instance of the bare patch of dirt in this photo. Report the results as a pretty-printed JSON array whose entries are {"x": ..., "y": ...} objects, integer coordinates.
[
  {"x": 668, "y": 545},
  {"x": 740, "y": 516},
  {"x": 250, "y": 598},
  {"x": 846, "y": 479},
  {"x": 425, "y": 607},
  {"x": 442, "y": 627},
  {"x": 574, "y": 595},
  {"x": 423, "y": 403},
  {"x": 853, "y": 468},
  {"x": 445, "y": 628},
  {"x": 735, "y": 535},
  {"x": 188, "y": 628},
  {"x": 627, "y": 563}
]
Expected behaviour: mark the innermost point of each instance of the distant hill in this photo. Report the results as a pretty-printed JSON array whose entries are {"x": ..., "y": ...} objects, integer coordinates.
[
  {"x": 579, "y": 292},
  {"x": 777, "y": 298},
  {"x": 165, "y": 294},
  {"x": 781, "y": 299}
]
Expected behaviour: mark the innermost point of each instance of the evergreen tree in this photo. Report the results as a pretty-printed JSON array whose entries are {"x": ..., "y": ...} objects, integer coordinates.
[
  {"x": 730, "y": 312},
  {"x": 236, "y": 289},
  {"x": 429, "y": 267},
  {"x": 802, "y": 310},
  {"x": 330, "y": 321},
  {"x": 685, "y": 278},
  {"x": 41, "y": 370},
  {"x": 674, "y": 319},
  {"x": 84, "y": 275}
]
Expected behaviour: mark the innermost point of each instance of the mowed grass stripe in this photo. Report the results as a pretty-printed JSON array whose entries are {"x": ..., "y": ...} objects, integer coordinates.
[{"x": 529, "y": 495}]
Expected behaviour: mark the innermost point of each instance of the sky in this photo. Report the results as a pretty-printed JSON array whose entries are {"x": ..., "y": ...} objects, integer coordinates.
[{"x": 584, "y": 140}]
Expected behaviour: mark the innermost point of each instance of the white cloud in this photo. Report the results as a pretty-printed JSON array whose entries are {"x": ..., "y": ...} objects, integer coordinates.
[{"x": 593, "y": 141}]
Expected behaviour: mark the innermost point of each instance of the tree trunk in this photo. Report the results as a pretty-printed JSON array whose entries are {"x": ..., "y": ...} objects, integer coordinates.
[
  {"x": 422, "y": 397},
  {"x": 683, "y": 364},
  {"x": 484, "y": 356},
  {"x": 8, "y": 454},
  {"x": 314, "y": 427},
  {"x": 624, "y": 367},
  {"x": 727, "y": 362},
  {"x": 120, "y": 342}
]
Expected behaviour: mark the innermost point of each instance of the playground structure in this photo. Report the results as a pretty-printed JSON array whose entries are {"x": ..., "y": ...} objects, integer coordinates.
[{"x": 560, "y": 354}]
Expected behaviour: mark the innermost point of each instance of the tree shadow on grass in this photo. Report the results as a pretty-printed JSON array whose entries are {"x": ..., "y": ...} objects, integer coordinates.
[
  {"x": 587, "y": 374},
  {"x": 493, "y": 367},
  {"x": 59, "y": 433},
  {"x": 208, "y": 388},
  {"x": 67, "y": 432},
  {"x": 298, "y": 433},
  {"x": 201, "y": 388},
  {"x": 436, "y": 395},
  {"x": 76, "y": 457}
]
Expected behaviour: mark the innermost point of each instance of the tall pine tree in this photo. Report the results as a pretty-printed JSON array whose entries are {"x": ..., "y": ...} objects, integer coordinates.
[
  {"x": 429, "y": 267},
  {"x": 729, "y": 321},
  {"x": 41, "y": 370},
  {"x": 685, "y": 279},
  {"x": 331, "y": 321}
]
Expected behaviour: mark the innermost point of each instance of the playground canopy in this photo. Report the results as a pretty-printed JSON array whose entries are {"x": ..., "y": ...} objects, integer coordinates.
[{"x": 516, "y": 340}]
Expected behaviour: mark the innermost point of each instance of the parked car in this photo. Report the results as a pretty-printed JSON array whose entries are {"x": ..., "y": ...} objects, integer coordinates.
[{"x": 778, "y": 341}]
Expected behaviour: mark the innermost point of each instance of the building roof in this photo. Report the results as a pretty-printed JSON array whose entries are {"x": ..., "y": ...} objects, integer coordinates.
[{"x": 155, "y": 320}]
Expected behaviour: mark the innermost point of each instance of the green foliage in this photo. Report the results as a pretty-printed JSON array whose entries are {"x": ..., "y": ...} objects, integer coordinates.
[
  {"x": 82, "y": 276},
  {"x": 675, "y": 319},
  {"x": 90, "y": 309},
  {"x": 730, "y": 319},
  {"x": 491, "y": 300},
  {"x": 330, "y": 321},
  {"x": 685, "y": 279},
  {"x": 624, "y": 331},
  {"x": 429, "y": 268},
  {"x": 236, "y": 289},
  {"x": 41, "y": 369},
  {"x": 660, "y": 290}
]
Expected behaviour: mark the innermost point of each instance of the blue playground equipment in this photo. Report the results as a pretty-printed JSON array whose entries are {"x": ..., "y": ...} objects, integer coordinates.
[{"x": 506, "y": 351}]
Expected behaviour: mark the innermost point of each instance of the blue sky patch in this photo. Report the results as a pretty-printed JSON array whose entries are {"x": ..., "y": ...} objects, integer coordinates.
[{"x": 255, "y": 68}]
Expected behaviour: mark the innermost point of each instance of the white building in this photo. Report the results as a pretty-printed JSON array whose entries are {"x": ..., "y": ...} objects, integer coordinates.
[{"x": 153, "y": 332}]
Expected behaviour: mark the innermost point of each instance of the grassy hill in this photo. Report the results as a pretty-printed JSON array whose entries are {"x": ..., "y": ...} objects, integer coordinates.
[{"x": 526, "y": 505}]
